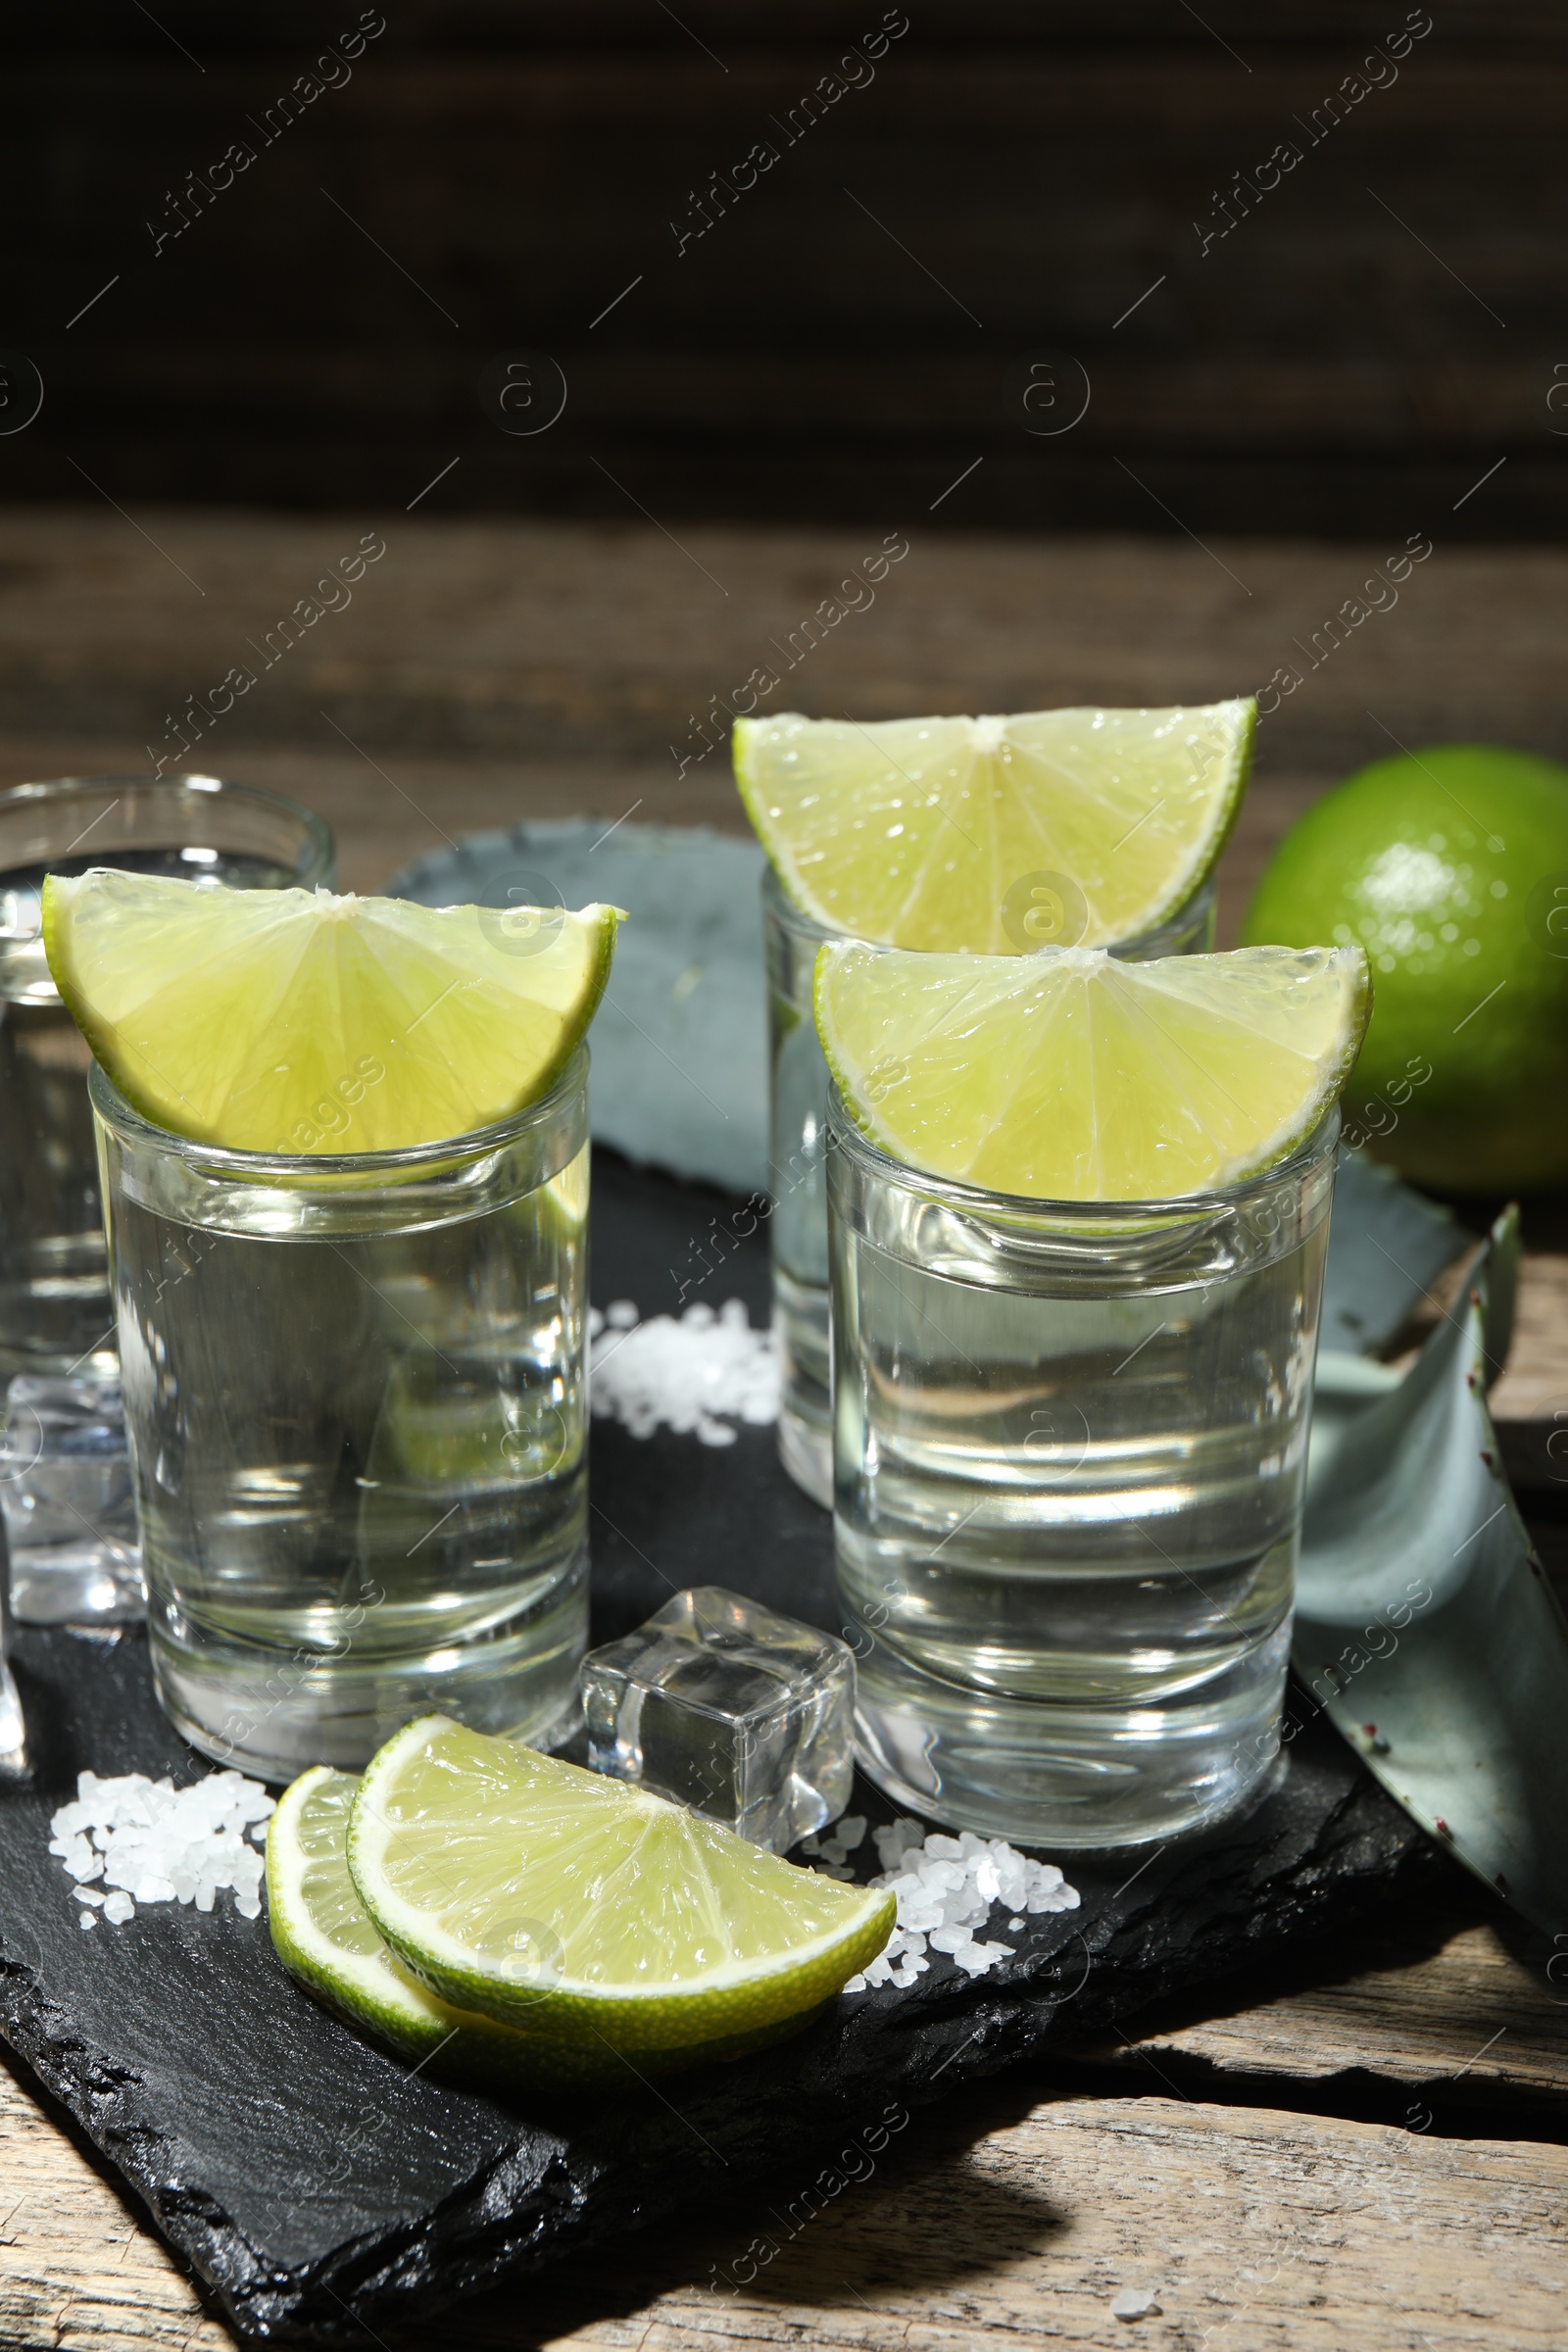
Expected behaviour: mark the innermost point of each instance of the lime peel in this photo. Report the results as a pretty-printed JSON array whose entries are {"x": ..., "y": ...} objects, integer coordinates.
[{"x": 1449, "y": 866}]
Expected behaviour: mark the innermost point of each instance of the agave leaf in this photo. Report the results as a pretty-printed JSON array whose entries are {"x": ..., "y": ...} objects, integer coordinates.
[
  {"x": 1386, "y": 1244},
  {"x": 1424, "y": 1624}
]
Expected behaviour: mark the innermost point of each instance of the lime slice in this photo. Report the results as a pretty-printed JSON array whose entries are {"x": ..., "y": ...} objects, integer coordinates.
[
  {"x": 995, "y": 836},
  {"x": 587, "y": 1910},
  {"x": 325, "y": 1938},
  {"x": 1073, "y": 1077},
  {"x": 297, "y": 1021},
  {"x": 327, "y": 1942}
]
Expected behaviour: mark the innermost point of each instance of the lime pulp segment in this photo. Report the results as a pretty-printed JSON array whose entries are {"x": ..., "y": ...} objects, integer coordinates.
[
  {"x": 586, "y": 1910},
  {"x": 995, "y": 836},
  {"x": 298, "y": 1021},
  {"x": 1073, "y": 1077}
]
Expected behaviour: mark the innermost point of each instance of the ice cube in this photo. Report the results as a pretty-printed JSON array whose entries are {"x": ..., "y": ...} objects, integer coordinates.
[
  {"x": 742, "y": 1715},
  {"x": 66, "y": 1502}
]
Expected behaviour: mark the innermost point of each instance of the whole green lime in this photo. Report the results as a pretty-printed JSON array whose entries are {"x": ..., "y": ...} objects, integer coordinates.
[{"x": 1451, "y": 867}]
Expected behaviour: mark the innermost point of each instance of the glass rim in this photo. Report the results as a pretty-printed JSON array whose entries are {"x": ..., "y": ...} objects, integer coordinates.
[
  {"x": 776, "y": 901},
  {"x": 305, "y": 1170},
  {"x": 975, "y": 1200},
  {"x": 39, "y": 791}
]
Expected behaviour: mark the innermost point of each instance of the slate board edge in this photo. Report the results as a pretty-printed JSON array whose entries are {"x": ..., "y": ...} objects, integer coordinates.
[{"x": 992, "y": 2024}]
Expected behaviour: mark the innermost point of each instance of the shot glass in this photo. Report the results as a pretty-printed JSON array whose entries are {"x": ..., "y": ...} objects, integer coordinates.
[
  {"x": 354, "y": 1397},
  {"x": 65, "y": 1485},
  {"x": 1069, "y": 1443},
  {"x": 798, "y": 1143}
]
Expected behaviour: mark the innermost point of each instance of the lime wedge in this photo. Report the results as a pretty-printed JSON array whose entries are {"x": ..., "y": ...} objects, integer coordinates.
[
  {"x": 297, "y": 1021},
  {"x": 325, "y": 1938},
  {"x": 995, "y": 836},
  {"x": 586, "y": 1910},
  {"x": 1069, "y": 1076},
  {"x": 327, "y": 1942}
]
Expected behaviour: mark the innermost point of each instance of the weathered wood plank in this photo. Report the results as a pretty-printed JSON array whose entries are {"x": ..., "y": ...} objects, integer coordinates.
[
  {"x": 996, "y": 2222},
  {"x": 1274, "y": 2228},
  {"x": 537, "y": 641},
  {"x": 1445, "y": 1998}
]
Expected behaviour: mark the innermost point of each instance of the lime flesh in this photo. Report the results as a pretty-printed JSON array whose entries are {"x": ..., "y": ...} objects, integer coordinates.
[
  {"x": 297, "y": 1021},
  {"x": 995, "y": 836},
  {"x": 587, "y": 1911},
  {"x": 1074, "y": 1077}
]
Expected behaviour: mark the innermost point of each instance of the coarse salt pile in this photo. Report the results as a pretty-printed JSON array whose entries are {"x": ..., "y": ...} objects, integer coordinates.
[
  {"x": 944, "y": 1889},
  {"x": 151, "y": 1843},
  {"x": 682, "y": 1374}
]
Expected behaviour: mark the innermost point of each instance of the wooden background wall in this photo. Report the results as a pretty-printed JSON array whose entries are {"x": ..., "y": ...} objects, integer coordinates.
[{"x": 1368, "y": 341}]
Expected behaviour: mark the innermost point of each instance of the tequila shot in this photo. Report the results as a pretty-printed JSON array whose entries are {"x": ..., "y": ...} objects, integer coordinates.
[
  {"x": 1069, "y": 1448},
  {"x": 355, "y": 1394}
]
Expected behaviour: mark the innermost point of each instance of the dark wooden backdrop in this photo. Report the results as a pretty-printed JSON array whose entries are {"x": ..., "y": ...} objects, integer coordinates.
[{"x": 1374, "y": 336}]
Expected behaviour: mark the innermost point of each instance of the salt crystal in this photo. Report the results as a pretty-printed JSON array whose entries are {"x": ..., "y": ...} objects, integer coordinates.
[
  {"x": 1135, "y": 2303},
  {"x": 896, "y": 1838},
  {"x": 151, "y": 1843},
  {"x": 696, "y": 1375},
  {"x": 944, "y": 1889},
  {"x": 87, "y": 1919}
]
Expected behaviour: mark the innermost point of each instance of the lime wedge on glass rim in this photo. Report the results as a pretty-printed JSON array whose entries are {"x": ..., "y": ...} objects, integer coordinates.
[
  {"x": 1070, "y": 1076},
  {"x": 995, "y": 836},
  {"x": 587, "y": 1912},
  {"x": 300, "y": 1021}
]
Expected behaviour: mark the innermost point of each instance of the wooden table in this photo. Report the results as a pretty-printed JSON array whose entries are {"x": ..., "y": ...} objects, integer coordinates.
[{"x": 1363, "y": 2149}]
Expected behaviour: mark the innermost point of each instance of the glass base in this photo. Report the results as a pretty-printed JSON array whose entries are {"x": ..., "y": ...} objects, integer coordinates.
[
  {"x": 66, "y": 1498},
  {"x": 1044, "y": 1773},
  {"x": 803, "y": 1318},
  {"x": 271, "y": 1712}
]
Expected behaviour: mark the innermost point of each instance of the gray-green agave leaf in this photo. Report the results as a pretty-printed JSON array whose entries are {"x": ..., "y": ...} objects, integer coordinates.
[
  {"x": 1423, "y": 1623},
  {"x": 1386, "y": 1243}
]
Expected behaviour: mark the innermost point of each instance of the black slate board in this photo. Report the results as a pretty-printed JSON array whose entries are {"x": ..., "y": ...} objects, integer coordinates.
[{"x": 318, "y": 2187}]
